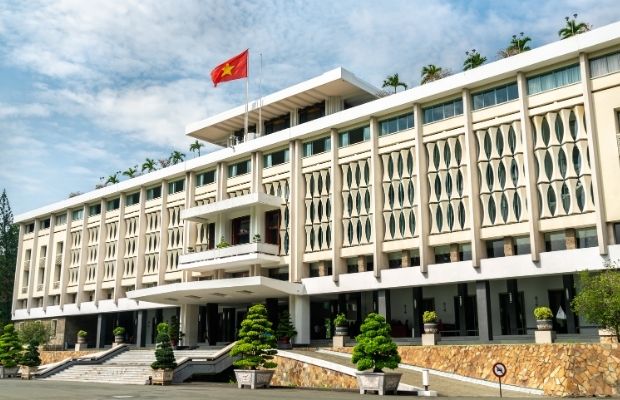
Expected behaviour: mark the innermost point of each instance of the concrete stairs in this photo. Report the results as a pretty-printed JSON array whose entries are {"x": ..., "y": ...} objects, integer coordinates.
[{"x": 129, "y": 367}]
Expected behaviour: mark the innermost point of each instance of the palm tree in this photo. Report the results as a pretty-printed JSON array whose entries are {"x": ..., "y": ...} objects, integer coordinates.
[
  {"x": 394, "y": 81},
  {"x": 112, "y": 179},
  {"x": 196, "y": 147},
  {"x": 473, "y": 60},
  {"x": 518, "y": 44},
  {"x": 431, "y": 72},
  {"x": 176, "y": 157},
  {"x": 149, "y": 165},
  {"x": 573, "y": 27},
  {"x": 131, "y": 171}
]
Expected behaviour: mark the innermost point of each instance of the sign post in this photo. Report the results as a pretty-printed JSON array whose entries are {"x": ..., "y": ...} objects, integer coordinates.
[{"x": 499, "y": 370}]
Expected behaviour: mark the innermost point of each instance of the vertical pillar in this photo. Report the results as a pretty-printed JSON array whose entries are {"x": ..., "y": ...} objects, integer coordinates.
[
  {"x": 417, "y": 322},
  {"x": 101, "y": 253},
  {"x": 405, "y": 259},
  {"x": 383, "y": 303},
  {"x": 299, "y": 307},
  {"x": 570, "y": 238},
  {"x": 141, "y": 245},
  {"x": 101, "y": 329},
  {"x": 189, "y": 324},
  {"x": 483, "y": 306},
  {"x": 509, "y": 246},
  {"x": 119, "y": 268},
  {"x": 361, "y": 264},
  {"x": 189, "y": 228},
  {"x": 420, "y": 167},
  {"x": 297, "y": 270},
  {"x": 380, "y": 260},
  {"x": 19, "y": 268},
  {"x": 338, "y": 265},
  {"x": 140, "y": 329},
  {"x": 572, "y": 322},
  {"x": 212, "y": 323},
  {"x": 454, "y": 252},
  {"x": 513, "y": 293},
  {"x": 163, "y": 236},
  {"x": 462, "y": 301}
]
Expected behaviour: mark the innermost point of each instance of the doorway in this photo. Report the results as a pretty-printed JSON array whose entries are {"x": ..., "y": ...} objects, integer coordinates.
[
  {"x": 240, "y": 230},
  {"x": 511, "y": 312},
  {"x": 272, "y": 227}
]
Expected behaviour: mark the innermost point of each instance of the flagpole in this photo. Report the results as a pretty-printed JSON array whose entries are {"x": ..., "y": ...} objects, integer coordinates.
[{"x": 247, "y": 98}]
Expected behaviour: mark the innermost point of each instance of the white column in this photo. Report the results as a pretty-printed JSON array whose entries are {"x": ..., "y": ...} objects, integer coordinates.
[
  {"x": 163, "y": 235},
  {"x": 338, "y": 266},
  {"x": 100, "y": 253},
  {"x": 19, "y": 268},
  {"x": 189, "y": 324},
  {"x": 296, "y": 213},
  {"x": 119, "y": 267},
  {"x": 48, "y": 262},
  {"x": 142, "y": 236},
  {"x": 299, "y": 308},
  {"x": 66, "y": 259},
  {"x": 426, "y": 253},
  {"x": 380, "y": 260},
  {"x": 189, "y": 228},
  {"x": 32, "y": 268}
]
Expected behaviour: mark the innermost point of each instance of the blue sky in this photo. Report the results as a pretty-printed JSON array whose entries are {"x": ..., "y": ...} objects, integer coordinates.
[{"x": 88, "y": 88}]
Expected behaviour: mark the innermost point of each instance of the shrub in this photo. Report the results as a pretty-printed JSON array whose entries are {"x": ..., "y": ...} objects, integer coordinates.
[
  {"x": 341, "y": 320},
  {"x": 430, "y": 317},
  {"x": 31, "y": 356},
  {"x": 543, "y": 312},
  {"x": 164, "y": 355},
  {"x": 256, "y": 344},
  {"x": 34, "y": 331},
  {"x": 82, "y": 333},
  {"x": 10, "y": 347},
  {"x": 375, "y": 348},
  {"x": 118, "y": 331},
  {"x": 285, "y": 326},
  {"x": 223, "y": 243}
]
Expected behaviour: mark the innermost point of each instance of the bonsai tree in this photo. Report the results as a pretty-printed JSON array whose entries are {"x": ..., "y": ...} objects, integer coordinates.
[
  {"x": 10, "y": 347},
  {"x": 341, "y": 320},
  {"x": 118, "y": 331},
  {"x": 31, "y": 357},
  {"x": 375, "y": 348},
  {"x": 430, "y": 317},
  {"x": 164, "y": 355},
  {"x": 256, "y": 344},
  {"x": 285, "y": 328},
  {"x": 542, "y": 313}
]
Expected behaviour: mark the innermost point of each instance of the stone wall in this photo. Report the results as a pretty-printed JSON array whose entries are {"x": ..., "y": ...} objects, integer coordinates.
[
  {"x": 48, "y": 357},
  {"x": 559, "y": 369},
  {"x": 300, "y": 374}
]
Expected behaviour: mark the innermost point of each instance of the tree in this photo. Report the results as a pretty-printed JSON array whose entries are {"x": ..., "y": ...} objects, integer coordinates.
[
  {"x": 473, "y": 60},
  {"x": 432, "y": 72},
  {"x": 131, "y": 171},
  {"x": 34, "y": 331},
  {"x": 285, "y": 328},
  {"x": 9, "y": 237},
  {"x": 518, "y": 44},
  {"x": 394, "y": 82},
  {"x": 31, "y": 357},
  {"x": 573, "y": 27},
  {"x": 164, "y": 355},
  {"x": 176, "y": 157},
  {"x": 598, "y": 299},
  {"x": 113, "y": 179},
  {"x": 256, "y": 344},
  {"x": 10, "y": 347},
  {"x": 375, "y": 348},
  {"x": 149, "y": 165},
  {"x": 163, "y": 162},
  {"x": 196, "y": 147}
]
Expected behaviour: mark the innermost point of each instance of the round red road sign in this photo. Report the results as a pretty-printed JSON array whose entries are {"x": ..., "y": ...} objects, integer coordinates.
[{"x": 499, "y": 369}]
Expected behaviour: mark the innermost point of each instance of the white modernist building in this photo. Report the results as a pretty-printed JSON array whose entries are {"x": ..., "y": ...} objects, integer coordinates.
[{"x": 480, "y": 196}]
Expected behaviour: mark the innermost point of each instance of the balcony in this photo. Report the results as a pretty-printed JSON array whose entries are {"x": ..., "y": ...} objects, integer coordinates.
[
  {"x": 230, "y": 257},
  {"x": 208, "y": 212}
]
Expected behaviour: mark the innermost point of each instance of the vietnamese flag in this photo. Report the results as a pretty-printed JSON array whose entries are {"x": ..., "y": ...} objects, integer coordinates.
[{"x": 235, "y": 68}]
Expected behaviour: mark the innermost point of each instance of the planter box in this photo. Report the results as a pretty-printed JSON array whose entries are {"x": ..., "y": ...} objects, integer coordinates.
[
  {"x": 338, "y": 341},
  {"x": 8, "y": 372},
  {"x": 544, "y": 337},
  {"x": 253, "y": 377},
  {"x": 380, "y": 382},
  {"x": 430, "y": 339},
  {"x": 27, "y": 373},
  {"x": 607, "y": 336},
  {"x": 162, "y": 376},
  {"x": 544, "y": 324}
]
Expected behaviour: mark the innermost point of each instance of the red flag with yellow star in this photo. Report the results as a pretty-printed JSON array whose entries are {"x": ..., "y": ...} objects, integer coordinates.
[{"x": 235, "y": 68}]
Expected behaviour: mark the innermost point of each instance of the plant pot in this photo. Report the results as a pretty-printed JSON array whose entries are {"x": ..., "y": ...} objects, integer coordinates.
[
  {"x": 254, "y": 378},
  {"x": 544, "y": 324},
  {"x": 162, "y": 376},
  {"x": 119, "y": 339},
  {"x": 342, "y": 331},
  {"x": 284, "y": 343},
  {"x": 81, "y": 339},
  {"x": 431, "y": 327},
  {"x": 27, "y": 373},
  {"x": 607, "y": 336},
  {"x": 8, "y": 372},
  {"x": 380, "y": 382}
]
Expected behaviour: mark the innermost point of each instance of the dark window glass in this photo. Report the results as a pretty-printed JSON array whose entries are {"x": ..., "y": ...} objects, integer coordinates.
[
  {"x": 555, "y": 241},
  {"x": 240, "y": 168},
  {"x": 277, "y": 124},
  {"x": 317, "y": 146},
  {"x": 205, "y": 178},
  {"x": 522, "y": 245},
  {"x": 153, "y": 193},
  {"x": 586, "y": 238},
  {"x": 95, "y": 209},
  {"x": 443, "y": 111},
  {"x": 442, "y": 254},
  {"x": 132, "y": 199},
  {"x": 495, "y": 248},
  {"x": 617, "y": 232},
  {"x": 396, "y": 124},
  {"x": 312, "y": 112},
  {"x": 112, "y": 205}
]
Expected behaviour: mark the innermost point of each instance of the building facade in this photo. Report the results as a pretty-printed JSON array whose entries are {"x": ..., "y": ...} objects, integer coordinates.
[{"x": 480, "y": 196}]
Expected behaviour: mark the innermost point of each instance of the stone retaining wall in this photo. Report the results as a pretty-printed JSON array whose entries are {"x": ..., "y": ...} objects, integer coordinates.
[
  {"x": 300, "y": 374},
  {"x": 559, "y": 369},
  {"x": 49, "y": 357}
]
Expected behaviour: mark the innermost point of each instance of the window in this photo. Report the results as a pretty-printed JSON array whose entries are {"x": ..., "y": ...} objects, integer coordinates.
[
  {"x": 239, "y": 134},
  {"x": 275, "y": 158},
  {"x": 495, "y": 96},
  {"x": 395, "y": 260},
  {"x": 553, "y": 79},
  {"x": 95, "y": 209},
  {"x": 353, "y": 136},
  {"x": 617, "y": 232},
  {"x": 442, "y": 254},
  {"x": 153, "y": 193},
  {"x": 176, "y": 186},
  {"x": 618, "y": 130},
  {"x": 555, "y": 241},
  {"x": 605, "y": 65},
  {"x": 277, "y": 124},
  {"x": 240, "y": 168},
  {"x": 522, "y": 245},
  {"x": 317, "y": 146},
  {"x": 311, "y": 112},
  {"x": 464, "y": 251},
  {"x": 44, "y": 224},
  {"x": 132, "y": 199},
  {"x": 443, "y": 111},
  {"x": 113, "y": 204},
  {"x": 396, "y": 124},
  {"x": 29, "y": 228},
  {"x": 495, "y": 248},
  {"x": 205, "y": 178},
  {"x": 77, "y": 215},
  {"x": 61, "y": 219},
  {"x": 586, "y": 238}
]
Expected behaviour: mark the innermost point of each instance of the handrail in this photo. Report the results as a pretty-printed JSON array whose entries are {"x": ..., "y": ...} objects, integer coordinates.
[
  {"x": 96, "y": 358},
  {"x": 188, "y": 362}
]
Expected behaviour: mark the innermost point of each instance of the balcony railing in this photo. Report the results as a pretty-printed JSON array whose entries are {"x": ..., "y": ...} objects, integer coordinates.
[{"x": 242, "y": 254}]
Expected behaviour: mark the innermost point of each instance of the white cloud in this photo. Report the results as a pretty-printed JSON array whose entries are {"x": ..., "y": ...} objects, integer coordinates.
[{"x": 23, "y": 110}]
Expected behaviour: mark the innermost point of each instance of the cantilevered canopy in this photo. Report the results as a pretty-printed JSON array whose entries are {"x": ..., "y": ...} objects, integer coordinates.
[
  {"x": 208, "y": 212},
  {"x": 337, "y": 82},
  {"x": 235, "y": 290}
]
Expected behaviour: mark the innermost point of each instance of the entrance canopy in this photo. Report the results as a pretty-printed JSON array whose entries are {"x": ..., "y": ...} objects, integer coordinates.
[{"x": 221, "y": 291}]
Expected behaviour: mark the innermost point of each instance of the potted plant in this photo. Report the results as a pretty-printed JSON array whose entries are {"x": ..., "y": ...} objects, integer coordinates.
[
  {"x": 81, "y": 340},
  {"x": 223, "y": 243},
  {"x": 10, "y": 349},
  {"x": 175, "y": 332},
  {"x": 165, "y": 363},
  {"x": 430, "y": 319},
  {"x": 30, "y": 360},
  {"x": 285, "y": 331},
  {"x": 376, "y": 350},
  {"x": 543, "y": 317},
  {"x": 119, "y": 335},
  {"x": 341, "y": 324},
  {"x": 254, "y": 349},
  {"x": 256, "y": 238}
]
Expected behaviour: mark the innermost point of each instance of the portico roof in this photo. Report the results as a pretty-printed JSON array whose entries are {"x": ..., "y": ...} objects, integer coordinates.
[{"x": 233, "y": 290}]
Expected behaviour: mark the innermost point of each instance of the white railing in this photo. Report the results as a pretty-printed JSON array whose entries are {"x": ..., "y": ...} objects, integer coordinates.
[{"x": 231, "y": 251}]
